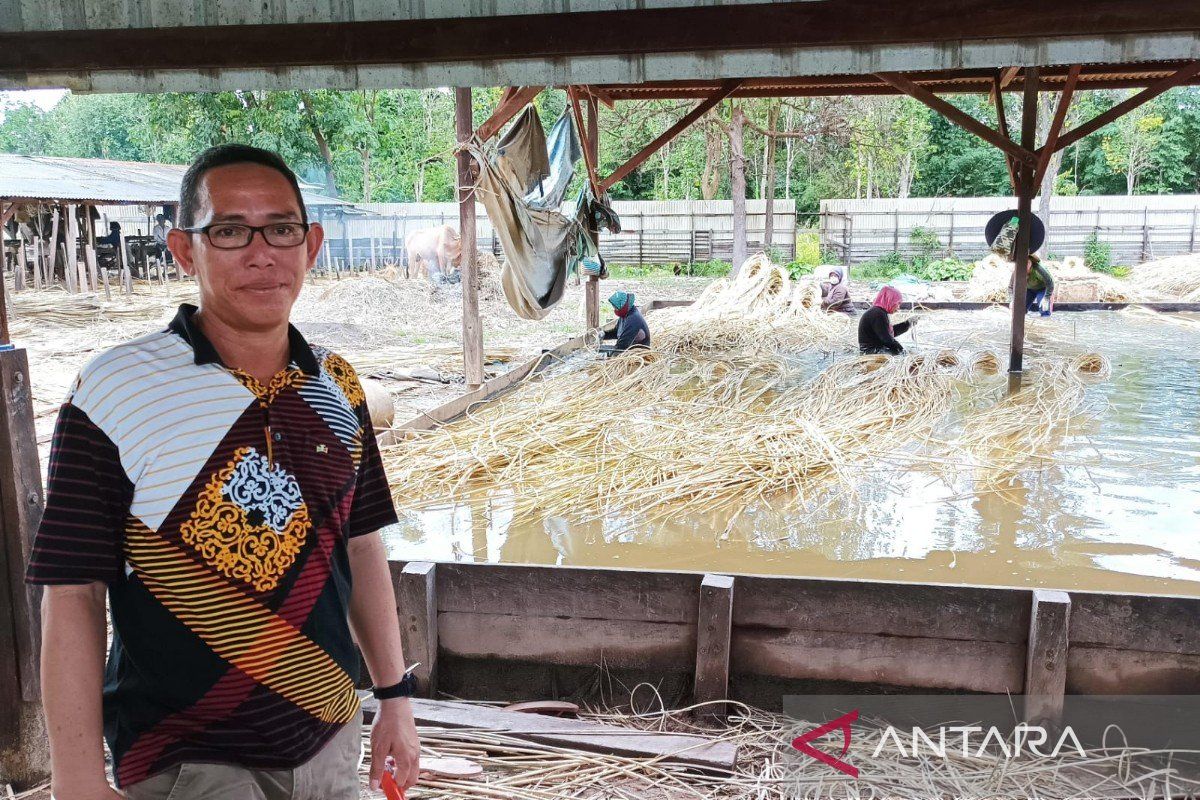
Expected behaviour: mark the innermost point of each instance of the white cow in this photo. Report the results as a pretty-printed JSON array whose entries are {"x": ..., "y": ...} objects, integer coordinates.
[{"x": 435, "y": 252}]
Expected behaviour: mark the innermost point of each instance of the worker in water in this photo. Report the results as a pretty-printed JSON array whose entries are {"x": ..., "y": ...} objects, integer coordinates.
[
  {"x": 835, "y": 295},
  {"x": 1001, "y": 236},
  {"x": 876, "y": 333},
  {"x": 1039, "y": 287},
  {"x": 631, "y": 329}
]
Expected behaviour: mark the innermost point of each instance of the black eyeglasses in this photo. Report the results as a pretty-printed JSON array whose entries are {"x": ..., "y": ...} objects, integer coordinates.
[{"x": 232, "y": 236}]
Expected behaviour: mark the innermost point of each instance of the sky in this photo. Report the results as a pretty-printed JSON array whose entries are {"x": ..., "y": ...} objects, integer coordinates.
[{"x": 45, "y": 99}]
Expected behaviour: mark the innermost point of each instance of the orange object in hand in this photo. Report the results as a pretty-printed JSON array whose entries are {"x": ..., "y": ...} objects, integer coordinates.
[{"x": 391, "y": 789}]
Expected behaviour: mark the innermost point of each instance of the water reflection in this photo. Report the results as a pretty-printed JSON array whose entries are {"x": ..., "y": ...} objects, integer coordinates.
[{"x": 1117, "y": 511}]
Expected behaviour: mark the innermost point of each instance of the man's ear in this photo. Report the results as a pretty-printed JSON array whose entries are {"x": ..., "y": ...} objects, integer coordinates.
[
  {"x": 180, "y": 245},
  {"x": 316, "y": 237}
]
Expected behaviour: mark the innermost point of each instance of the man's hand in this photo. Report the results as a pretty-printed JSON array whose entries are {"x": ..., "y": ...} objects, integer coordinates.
[{"x": 394, "y": 733}]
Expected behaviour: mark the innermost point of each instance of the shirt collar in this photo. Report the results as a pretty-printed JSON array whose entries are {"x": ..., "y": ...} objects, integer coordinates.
[{"x": 184, "y": 325}]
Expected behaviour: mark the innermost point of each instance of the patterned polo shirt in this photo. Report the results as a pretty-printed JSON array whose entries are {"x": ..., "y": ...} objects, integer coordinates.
[{"x": 217, "y": 510}]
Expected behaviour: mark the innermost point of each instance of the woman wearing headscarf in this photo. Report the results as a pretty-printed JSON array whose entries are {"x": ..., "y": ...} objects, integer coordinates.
[
  {"x": 835, "y": 296},
  {"x": 876, "y": 333},
  {"x": 631, "y": 330}
]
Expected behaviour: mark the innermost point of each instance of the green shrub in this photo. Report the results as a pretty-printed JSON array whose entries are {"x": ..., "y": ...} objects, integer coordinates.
[
  {"x": 713, "y": 269},
  {"x": 881, "y": 269},
  {"x": 799, "y": 268},
  {"x": 808, "y": 249},
  {"x": 945, "y": 269},
  {"x": 1097, "y": 254},
  {"x": 929, "y": 246}
]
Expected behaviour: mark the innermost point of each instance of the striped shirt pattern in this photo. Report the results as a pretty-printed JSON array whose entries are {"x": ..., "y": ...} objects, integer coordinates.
[{"x": 217, "y": 511}]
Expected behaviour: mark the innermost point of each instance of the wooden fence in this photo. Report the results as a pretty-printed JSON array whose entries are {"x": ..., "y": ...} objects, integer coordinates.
[
  {"x": 1136, "y": 229},
  {"x": 669, "y": 232}
]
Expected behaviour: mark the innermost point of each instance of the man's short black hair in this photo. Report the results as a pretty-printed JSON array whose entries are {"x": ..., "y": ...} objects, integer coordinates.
[{"x": 221, "y": 156}]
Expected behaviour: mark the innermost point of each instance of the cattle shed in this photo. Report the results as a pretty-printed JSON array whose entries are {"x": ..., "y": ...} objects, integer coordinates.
[{"x": 606, "y": 52}]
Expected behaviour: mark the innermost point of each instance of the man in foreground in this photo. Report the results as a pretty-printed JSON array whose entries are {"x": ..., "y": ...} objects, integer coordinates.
[{"x": 219, "y": 480}]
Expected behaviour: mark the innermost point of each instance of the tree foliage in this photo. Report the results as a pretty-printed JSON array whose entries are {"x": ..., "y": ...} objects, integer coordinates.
[{"x": 398, "y": 145}]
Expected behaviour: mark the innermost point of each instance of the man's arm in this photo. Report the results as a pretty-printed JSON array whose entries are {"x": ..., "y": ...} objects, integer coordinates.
[
  {"x": 73, "y": 634},
  {"x": 377, "y": 628}
]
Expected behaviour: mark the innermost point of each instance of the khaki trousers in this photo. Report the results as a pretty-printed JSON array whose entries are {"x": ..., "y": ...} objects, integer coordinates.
[{"x": 332, "y": 774}]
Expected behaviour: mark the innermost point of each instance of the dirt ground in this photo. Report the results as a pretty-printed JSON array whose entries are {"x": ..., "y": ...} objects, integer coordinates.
[{"x": 406, "y": 333}]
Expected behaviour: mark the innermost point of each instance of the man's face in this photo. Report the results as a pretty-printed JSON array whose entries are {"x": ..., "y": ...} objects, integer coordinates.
[{"x": 251, "y": 288}]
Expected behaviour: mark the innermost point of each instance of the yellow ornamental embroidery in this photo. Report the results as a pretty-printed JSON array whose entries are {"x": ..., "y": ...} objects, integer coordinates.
[
  {"x": 279, "y": 381},
  {"x": 345, "y": 377},
  {"x": 250, "y": 521}
]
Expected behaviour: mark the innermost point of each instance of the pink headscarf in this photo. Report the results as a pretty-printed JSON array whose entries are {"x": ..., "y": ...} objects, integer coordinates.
[{"x": 888, "y": 299}]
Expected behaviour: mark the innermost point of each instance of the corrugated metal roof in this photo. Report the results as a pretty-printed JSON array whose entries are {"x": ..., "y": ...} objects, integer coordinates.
[{"x": 97, "y": 180}]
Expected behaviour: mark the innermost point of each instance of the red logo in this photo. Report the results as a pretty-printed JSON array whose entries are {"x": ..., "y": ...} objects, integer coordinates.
[{"x": 801, "y": 743}]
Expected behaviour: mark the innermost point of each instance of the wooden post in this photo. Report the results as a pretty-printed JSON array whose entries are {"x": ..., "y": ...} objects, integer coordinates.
[
  {"x": 1046, "y": 662},
  {"x": 1192, "y": 243},
  {"x": 641, "y": 241},
  {"x": 896, "y": 231},
  {"x": 123, "y": 260},
  {"x": 20, "y": 264},
  {"x": 37, "y": 256},
  {"x": 24, "y": 753},
  {"x": 89, "y": 250},
  {"x": 70, "y": 262},
  {"x": 1145, "y": 233},
  {"x": 737, "y": 181},
  {"x": 1025, "y": 189},
  {"x": 472, "y": 327},
  {"x": 591, "y": 288},
  {"x": 94, "y": 268},
  {"x": 713, "y": 631},
  {"x": 416, "y": 606},
  {"x": 53, "y": 254},
  {"x": 951, "y": 245}
]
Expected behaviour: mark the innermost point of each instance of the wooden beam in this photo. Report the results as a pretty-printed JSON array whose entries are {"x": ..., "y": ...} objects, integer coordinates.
[
  {"x": 1121, "y": 109},
  {"x": 713, "y": 637},
  {"x": 508, "y": 108},
  {"x": 591, "y": 289},
  {"x": 24, "y": 756},
  {"x": 958, "y": 117},
  {"x": 581, "y": 129},
  {"x": 1002, "y": 123},
  {"x": 727, "y": 88},
  {"x": 416, "y": 606},
  {"x": 6, "y": 213},
  {"x": 686, "y": 29},
  {"x": 1003, "y": 78},
  {"x": 1048, "y": 150},
  {"x": 472, "y": 326},
  {"x": 688, "y": 750},
  {"x": 52, "y": 258},
  {"x": 600, "y": 95},
  {"x": 1046, "y": 661},
  {"x": 1025, "y": 190}
]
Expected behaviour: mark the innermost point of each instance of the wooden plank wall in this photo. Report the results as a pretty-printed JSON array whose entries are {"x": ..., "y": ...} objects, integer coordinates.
[{"x": 919, "y": 636}]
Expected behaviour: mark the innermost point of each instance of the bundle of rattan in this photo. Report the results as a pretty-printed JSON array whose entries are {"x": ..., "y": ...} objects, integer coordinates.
[{"x": 761, "y": 310}]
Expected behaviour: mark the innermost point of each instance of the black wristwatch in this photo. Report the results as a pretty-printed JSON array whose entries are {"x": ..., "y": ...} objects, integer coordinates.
[{"x": 405, "y": 688}]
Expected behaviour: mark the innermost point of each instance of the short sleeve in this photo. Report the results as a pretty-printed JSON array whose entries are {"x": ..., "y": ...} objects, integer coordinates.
[
  {"x": 88, "y": 495},
  {"x": 372, "y": 507}
]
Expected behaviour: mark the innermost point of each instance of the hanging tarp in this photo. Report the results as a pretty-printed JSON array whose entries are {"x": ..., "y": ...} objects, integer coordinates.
[
  {"x": 523, "y": 152},
  {"x": 522, "y": 189},
  {"x": 539, "y": 246},
  {"x": 564, "y": 151}
]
